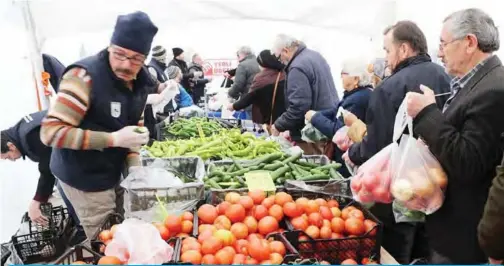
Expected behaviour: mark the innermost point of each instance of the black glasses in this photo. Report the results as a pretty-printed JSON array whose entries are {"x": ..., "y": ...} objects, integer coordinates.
[{"x": 133, "y": 59}]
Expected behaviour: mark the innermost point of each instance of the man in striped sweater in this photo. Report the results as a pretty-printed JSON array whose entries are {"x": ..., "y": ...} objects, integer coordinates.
[{"x": 91, "y": 126}]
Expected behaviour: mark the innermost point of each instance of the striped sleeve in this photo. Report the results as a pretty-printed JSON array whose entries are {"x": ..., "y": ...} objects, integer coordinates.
[
  {"x": 60, "y": 127},
  {"x": 133, "y": 158}
]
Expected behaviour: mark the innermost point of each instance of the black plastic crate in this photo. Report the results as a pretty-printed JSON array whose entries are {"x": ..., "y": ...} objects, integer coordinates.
[
  {"x": 38, "y": 246},
  {"x": 336, "y": 250},
  {"x": 47, "y": 210},
  {"x": 96, "y": 244},
  {"x": 79, "y": 253}
]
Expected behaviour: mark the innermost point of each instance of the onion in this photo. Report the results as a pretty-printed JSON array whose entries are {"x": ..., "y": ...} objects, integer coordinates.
[{"x": 402, "y": 190}]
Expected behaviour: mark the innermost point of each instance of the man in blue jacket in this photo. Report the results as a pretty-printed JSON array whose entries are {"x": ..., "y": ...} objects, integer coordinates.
[
  {"x": 309, "y": 86},
  {"x": 407, "y": 57}
]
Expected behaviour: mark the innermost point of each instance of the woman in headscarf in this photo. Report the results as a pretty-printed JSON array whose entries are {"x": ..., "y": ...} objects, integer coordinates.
[
  {"x": 266, "y": 93},
  {"x": 357, "y": 85}
]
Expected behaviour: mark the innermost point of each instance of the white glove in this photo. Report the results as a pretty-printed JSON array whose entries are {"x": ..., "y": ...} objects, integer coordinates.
[
  {"x": 128, "y": 137},
  {"x": 35, "y": 214}
]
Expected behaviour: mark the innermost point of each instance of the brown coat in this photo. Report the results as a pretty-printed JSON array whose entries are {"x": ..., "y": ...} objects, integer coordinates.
[
  {"x": 491, "y": 226},
  {"x": 466, "y": 140}
]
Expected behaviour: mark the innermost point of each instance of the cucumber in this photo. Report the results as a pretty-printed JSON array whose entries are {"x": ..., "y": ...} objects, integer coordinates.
[
  {"x": 279, "y": 172},
  {"x": 335, "y": 166},
  {"x": 307, "y": 164},
  {"x": 314, "y": 177},
  {"x": 213, "y": 184},
  {"x": 335, "y": 174},
  {"x": 292, "y": 158},
  {"x": 316, "y": 171},
  {"x": 273, "y": 166},
  {"x": 141, "y": 130}
]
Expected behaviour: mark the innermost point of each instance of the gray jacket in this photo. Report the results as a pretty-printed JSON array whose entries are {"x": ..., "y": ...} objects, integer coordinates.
[
  {"x": 309, "y": 86},
  {"x": 245, "y": 73}
]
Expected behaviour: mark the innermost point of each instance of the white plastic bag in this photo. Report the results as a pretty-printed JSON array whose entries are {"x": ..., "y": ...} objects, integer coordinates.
[
  {"x": 169, "y": 94},
  {"x": 191, "y": 111},
  {"x": 311, "y": 134},
  {"x": 138, "y": 242},
  {"x": 341, "y": 139},
  {"x": 418, "y": 179}
]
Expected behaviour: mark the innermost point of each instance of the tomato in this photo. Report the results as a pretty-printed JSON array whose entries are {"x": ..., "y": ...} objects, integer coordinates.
[
  {"x": 207, "y": 213},
  {"x": 267, "y": 225},
  {"x": 222, "y": 207},
  {"x": 163, "y": 232},
  {"x": 281, "y": 198},
  {"x": 312, "y": 207},
  {"x": 332, "y": 203},
  {"x": 291, "y": 209},
  {"x": 325, "y": 232},
  {"x": 323, "y": 262},
  {"x": 326, "y": 212},
  {"x": 254, "y": 236},
  {"x": 299, "y": 223},
  {"x": 275, "y": 258},
  {"x": 356, "y": 214},
  {"x": 239, "y": 259},
  {"x": 203, "y": 236},
  {"x": 211, "y": 245},
  {"x": 187, "y": 216},
  {"x": 369, "y": 227},
  {"x": 349, "y": 262},
  {"x": 346, "y": 211},
  {"x": 109, "y": 260},
  {"x": 113, "y": 229},
  {"x": 321, "y": 202},
  {"x": 336, "y": 212},
  {"x": 251, "y": 261},
  {"x": 191, "y": 246},
  {"x": 232, "y": 197},
  {"x": 236, "y": 213},
  {"x": 187, "y": 227},
  {"x": 239, "y": 230},
  {"x": 222, "y": 222},
  {"x": 277, "y": 247},
  {"x": 316, "y": 219},
  {"x": 356, "y": 184},
  {"x": 105, "y": 235},
  {"x": 225, "y": 236},
  {"x": 251, "y": 223},
  {"x": 191, "y": 256},
  {"x": 241, "y": 246},
  {"x": 338, "y": 225},
  {"x": 230, "y": 250},
  {"x": 276, "y": 211},
  {"x": 259, "y": 250},
  {"x": 257, "y": 196},
  {"x": 208, "y": 259},
  {"x": 354, "y": 226},
  {"x": 224, "y": 257},
  {"x": 259, "y": 212},
  {"x": 247, "y": 202},
  {"x": 303, "y": 238},
  {"x": 313, "y": 231},
  {"x": 268, "y": 202},
  {"x": 370, "y": 182},
  {"x": 336, "y": 235}
]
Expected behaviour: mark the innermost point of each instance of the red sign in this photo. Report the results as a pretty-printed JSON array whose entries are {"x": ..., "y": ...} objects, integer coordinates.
[{"x": 216, "y": 67}]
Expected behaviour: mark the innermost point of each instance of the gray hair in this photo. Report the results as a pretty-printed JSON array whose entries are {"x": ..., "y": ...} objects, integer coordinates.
[
  {"x": 245, "y": 50},
  {"x": 357, "y": 67},
  {"x": 475, "y": 21},
  {"x": 284, "y": 41},
  {"x": 194, "y": 57}
]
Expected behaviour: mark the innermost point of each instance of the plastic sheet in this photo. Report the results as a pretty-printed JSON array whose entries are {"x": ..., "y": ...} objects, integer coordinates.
[
  {"x": 341, "y": 139},
  {"x": 137, "y": 242},
  {"x": 156, "y": 189},
  {"x": 312, "y": 135}
]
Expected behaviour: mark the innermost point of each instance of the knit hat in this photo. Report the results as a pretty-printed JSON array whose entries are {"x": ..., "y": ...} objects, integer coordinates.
[
  {"x": 135, "y": 32},
  {"x": 172, "y": 72},
  {"x": 159, "y": 53},
  {"x": 177, "y": 51},
  {"x": 267, "y": 60}
]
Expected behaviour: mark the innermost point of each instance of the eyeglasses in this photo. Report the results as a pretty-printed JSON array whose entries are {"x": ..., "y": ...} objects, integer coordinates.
[
  {"x": 442, "y": 45},
  {"x": 133, "y": 59}
]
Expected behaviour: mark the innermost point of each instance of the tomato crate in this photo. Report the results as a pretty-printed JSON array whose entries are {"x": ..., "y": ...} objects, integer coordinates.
[
  {"x": 78, "y": 253},
  {"x": 291, "y": 254},
  {"x": 337, "y": 250},
  {"x": 47, "y": 210},
  {"x": 96, "y": 244}
]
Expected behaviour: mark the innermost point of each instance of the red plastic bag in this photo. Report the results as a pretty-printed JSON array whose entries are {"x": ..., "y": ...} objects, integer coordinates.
[
  {"x": 341, "y": 139},
  {"x": 372, "y": 181}
]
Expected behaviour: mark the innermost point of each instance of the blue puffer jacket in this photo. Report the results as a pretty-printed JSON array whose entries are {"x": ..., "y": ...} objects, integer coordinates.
[{"x": 355, "y": 101}]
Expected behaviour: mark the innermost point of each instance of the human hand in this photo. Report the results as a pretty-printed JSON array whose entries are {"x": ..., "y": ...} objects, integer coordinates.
[
  {"x": 35, "y": 213},
  {"x": 309, "y": 115},
  {"x": 285, "y": 135},
  {"x": 198, "y": 74},
  {"x": 226, "y": 75},
  {"x": 129, "y": 137},
  {"x": 230, "y": 107},
  {"x": 493, "y": 261},
  {"x": 349, "y": 118},
  {"x": 274, "y": 131},
  {"x": 347, "y": 160},
  {"x": 416, "y": 102},
  {"x": 357, "y": 131},
  {"x": 161, "y": 87}
]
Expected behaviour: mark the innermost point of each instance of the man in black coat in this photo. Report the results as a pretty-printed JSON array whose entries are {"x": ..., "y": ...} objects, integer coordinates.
[
  {"x": 465, "y": 136},
  {"x": 197, "y": 85},
  {"x": 179, "y": 61},
  {"x": 406, "y": 49}
]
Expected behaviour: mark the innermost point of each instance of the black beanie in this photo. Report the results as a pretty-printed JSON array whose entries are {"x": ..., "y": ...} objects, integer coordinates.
[
  {"x": 135, "y": 32},
  {"x": 267, "y": 60},
  {"x": 177, "y": 51}
]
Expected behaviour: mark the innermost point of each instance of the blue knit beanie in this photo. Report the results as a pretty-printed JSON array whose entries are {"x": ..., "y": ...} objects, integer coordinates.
[{"x": 135, "y": 32}]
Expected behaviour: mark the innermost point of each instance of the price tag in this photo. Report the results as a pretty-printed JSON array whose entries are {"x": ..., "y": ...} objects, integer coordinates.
[{"x": 260, "y": 180}]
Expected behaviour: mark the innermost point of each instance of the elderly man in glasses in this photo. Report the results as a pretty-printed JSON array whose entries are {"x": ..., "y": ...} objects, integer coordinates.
[{"x": 92, "y": 125}]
